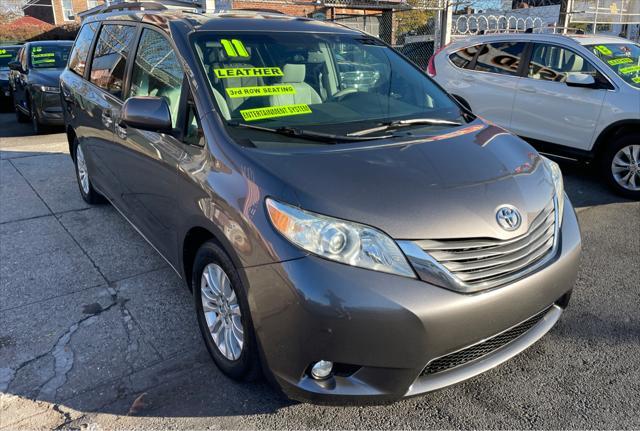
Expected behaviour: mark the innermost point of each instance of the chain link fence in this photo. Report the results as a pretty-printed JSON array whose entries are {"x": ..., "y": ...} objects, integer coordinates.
[{"x": 417, "y": 27}]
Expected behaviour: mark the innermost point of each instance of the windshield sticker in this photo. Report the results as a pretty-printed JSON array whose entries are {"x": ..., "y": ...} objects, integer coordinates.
[
  {"x": 248, "y": 71},
  {"x": 37, "y": 61},
  {"x": 275, "y": 111},
  {"x": 5, "y": 54},
  {"x": 603, "y": 50},
  {"x": 267, "y": 90},
  {"x": 629, "y": 70},
  {"x": 636, "y": 79},
  {"x": 618, "y": 61},
  {"x": 234, "y": 48}
]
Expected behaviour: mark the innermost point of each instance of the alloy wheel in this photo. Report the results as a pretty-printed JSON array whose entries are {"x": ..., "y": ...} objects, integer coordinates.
[
  {"x": 625, "y": 167},
  {"x": 222, "y": 311},
  {"x": 83, "y": 174}
]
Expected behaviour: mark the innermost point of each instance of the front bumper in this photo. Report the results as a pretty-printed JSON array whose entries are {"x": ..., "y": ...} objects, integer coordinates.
[
  {"x": 5, "y": 92},
  {"x": 48, "y": 108},
  {"x": 384, "y": 329}
]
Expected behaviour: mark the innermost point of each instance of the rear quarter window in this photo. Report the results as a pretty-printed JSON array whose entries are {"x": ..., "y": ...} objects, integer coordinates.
[
  {"x": 463, "y": 57},
  {"x": 500, "y": 57},
  {"x": 80, "y": 52}
]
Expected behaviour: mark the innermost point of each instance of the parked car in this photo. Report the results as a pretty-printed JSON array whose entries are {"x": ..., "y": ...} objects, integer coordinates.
[
  {"x": 7, "y": 55},
  {"x": 577, "y": 97},
  {"x": 33, "y": 82},
  {"x": 360, "y": 244}
]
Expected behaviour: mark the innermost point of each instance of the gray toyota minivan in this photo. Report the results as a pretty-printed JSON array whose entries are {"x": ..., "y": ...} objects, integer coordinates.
[{"x": 345, "y": 226}]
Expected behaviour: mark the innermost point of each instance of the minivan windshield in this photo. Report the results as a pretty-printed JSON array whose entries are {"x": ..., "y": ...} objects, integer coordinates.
[
  {"x": 49, "y": 56},
  {"x": 623, "y": 58},
  {"x": 7, "y": 55},
  {"x": 337, "y": 84}
]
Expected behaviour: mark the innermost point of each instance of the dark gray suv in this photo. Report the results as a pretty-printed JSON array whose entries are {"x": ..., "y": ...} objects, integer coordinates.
[{"x": 343, "y": 223}]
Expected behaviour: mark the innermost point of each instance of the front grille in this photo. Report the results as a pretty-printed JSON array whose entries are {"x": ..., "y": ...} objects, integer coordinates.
[
  {"x": 484, "y": 263},
  {"x": 481, "y": 349}
]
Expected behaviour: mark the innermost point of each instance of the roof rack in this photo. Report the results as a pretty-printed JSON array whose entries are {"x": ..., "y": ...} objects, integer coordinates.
[
  {"x": 263, "y": 10},
  {"x": 139, "y": 6}
]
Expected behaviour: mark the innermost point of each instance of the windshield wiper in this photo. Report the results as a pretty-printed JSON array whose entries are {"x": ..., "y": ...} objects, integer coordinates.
[
  {"x": 307, "y": 134},
  {"x": 404, "y": 123}
]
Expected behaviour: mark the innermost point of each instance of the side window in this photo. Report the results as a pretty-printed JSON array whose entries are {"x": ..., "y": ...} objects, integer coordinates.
[
  {"x": 157, "y": 71},
  {"x": 500, "y": 57},
  {"x": 463, "y": 57},
  {"x": 78, "y": 58},
  {"x": 110, "y": 58},
  {"x": 554, "y": 63}
]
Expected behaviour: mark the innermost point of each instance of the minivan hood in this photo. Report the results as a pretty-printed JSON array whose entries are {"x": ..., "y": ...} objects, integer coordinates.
[
  {"x": 48, "y": 77},
  {"x": 444, "y": 186}
]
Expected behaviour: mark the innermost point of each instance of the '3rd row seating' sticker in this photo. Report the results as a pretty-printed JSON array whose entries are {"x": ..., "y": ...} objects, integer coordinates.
[{"x": 266, "y": 90}]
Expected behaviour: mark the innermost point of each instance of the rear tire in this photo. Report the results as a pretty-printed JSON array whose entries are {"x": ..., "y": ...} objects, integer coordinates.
[
  {"x": 88, "y": 193},
  {"x": 620, "y": 165},
  {"x": 223, "y": 314}
]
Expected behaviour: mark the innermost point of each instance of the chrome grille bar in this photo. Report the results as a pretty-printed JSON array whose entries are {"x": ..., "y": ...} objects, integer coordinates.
[{"x": 470, "y": 265}]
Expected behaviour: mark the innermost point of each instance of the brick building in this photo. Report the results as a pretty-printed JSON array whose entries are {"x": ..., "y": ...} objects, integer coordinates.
[
  {"x": 58, "y": 12},
  {"x": 372, "y": 16}
]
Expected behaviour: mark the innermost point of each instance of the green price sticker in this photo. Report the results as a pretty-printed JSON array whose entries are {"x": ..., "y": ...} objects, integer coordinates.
[
  {"x": 617, "y": 61},
  {"x": 275, "y": 111},
  {"x": 247, "y": 72},
  {"x": 272, "y": 90},
  {"x": 603, "y": 50},
  {"x": 636, "y": 79},
  {"x": 629, "y": 70}
]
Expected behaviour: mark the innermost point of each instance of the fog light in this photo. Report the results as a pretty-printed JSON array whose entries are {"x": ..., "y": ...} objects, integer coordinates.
[{"x": 321, "y": 370}]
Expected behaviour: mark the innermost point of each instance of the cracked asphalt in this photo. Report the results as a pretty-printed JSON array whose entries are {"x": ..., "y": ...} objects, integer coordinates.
[{"x": 97, "y": 332}]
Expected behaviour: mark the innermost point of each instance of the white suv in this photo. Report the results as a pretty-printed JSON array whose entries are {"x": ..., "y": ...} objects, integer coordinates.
[{"x": 570, "y": 96}]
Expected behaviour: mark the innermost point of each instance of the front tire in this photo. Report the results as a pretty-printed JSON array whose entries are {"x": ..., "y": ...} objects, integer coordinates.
[
  {"x": 20, "y": 117},
  {"x": 35, "y": 122},
  {"x": 87, "y": 191},
  {"x": 223, "y": 313},
  {"x": 621, "y": 165}
]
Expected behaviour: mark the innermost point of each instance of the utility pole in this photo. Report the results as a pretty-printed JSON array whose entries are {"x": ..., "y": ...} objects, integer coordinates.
[
  {"x": 444, "y": 19},
  {"x": 566, "y": 7},
  {"x": 209, "y": 6}
]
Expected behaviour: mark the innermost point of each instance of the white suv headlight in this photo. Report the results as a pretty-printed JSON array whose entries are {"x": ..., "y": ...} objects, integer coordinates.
[
  {"x": 558, "y": 183},
  {"x": 343, "y": 241}
]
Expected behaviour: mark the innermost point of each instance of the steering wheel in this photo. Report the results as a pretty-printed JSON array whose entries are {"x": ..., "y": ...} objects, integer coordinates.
[{"x": 340, "y": 94}]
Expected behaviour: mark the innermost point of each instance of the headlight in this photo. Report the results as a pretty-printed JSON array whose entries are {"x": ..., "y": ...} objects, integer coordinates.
[
  {"x": 46, "y": 89},
  {"x": 347, "y": 242},
  {"x": 558, "y": 183}
]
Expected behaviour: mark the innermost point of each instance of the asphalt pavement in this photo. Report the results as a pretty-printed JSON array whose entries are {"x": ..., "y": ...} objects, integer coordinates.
[{"x": 97, "y": 332}]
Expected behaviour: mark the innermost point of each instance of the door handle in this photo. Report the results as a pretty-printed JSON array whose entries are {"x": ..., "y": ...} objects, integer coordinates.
[
  {"x": 121, "y": 131},
  {"x": 528, "y": 89},
  {"x": 106, "y": 118}
]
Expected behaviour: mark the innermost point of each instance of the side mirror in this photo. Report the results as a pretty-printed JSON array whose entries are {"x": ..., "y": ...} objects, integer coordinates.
[
  {"x": 147, "y": 113},
  {"x": 461, "y": 101},
  {"x": 16, "y": 65},
  {"x": 580, "y": 80}
]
